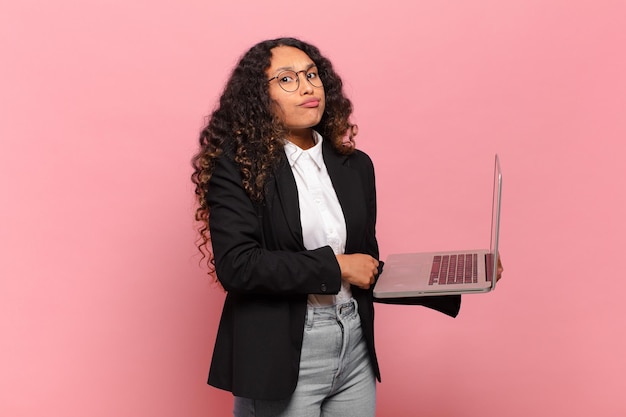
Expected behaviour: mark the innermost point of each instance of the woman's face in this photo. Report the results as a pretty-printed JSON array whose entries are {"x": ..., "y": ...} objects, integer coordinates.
[{"x": 302, "y": 108}]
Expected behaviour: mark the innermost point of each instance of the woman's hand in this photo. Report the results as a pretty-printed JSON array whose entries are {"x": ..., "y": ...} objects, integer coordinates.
[
  {"x": 500, "y": 269},
  {"x": 358, "y": 269}
]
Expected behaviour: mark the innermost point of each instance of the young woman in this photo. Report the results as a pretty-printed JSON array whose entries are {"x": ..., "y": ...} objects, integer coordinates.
[{"x": 288, "y": 214}]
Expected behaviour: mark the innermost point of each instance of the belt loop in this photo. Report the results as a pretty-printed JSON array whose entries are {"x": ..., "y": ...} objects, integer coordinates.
[{"x": 310, "y": 313}]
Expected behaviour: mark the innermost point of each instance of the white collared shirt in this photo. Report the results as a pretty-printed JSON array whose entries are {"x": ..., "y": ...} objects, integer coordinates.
[{"x": 320, "y": 212}]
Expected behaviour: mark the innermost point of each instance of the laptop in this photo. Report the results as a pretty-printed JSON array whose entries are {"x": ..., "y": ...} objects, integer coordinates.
[{"x": 445, "y": 273}]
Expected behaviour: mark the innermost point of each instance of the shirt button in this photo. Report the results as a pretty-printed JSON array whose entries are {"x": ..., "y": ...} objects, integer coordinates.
[{"x": 323, "y": 288}]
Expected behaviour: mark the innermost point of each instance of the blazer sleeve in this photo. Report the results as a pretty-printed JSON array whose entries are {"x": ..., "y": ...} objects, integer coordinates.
[
  {"x": 242, "y": 262},
  {"x": 449, "y": 305}
]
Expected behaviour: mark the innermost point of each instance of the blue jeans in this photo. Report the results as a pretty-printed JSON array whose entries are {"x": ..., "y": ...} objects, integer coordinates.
[{"x": 336, "y": 377}]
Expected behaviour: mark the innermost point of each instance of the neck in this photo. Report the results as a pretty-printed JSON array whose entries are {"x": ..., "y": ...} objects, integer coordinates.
[{"x": 302, "y": 138}]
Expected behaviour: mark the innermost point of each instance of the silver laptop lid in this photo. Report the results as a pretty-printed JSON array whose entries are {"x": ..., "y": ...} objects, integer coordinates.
[{"x": 492, "y": 263}]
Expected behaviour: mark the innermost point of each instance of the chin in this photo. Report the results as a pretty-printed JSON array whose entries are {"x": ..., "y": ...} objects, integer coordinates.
[{"x": 308, "y": 124}]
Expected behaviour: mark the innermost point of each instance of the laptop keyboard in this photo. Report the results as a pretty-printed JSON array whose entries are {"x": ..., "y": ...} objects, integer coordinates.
[{"x": 454, "y": 269}]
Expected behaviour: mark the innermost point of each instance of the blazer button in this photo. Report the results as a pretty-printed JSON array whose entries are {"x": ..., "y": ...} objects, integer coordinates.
[{"x": 324, "y": 288}]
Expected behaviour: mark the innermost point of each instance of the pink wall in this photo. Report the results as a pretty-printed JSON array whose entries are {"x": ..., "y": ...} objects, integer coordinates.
[{"x": 104, "y": 310}]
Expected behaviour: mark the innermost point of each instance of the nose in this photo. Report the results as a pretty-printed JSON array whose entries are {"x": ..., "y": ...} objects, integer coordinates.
[{"x": 305, "y": 85}]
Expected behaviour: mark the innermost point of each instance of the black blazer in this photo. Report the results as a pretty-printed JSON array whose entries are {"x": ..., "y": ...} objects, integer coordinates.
[{"x": 261, "y": 262}]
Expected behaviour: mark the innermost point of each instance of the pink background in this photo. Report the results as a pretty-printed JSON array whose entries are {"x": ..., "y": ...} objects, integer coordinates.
[{"x": 104, "y": 310}]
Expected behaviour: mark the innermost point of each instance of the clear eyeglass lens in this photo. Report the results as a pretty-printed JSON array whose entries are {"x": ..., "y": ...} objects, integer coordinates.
[
  {"x": 288, "y": 80},
  {"x": 314, "y": 78}
]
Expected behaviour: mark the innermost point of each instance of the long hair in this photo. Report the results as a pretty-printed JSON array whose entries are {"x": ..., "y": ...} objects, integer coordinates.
[{"x": 244, "y": 123}]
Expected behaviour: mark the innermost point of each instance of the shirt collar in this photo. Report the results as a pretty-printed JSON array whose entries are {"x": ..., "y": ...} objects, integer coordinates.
[{"x": 315, "y": 153}]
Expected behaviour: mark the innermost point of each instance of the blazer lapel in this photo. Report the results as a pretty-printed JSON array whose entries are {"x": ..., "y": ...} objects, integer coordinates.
[
  {"x": 287, "y": 193},
  {"x": 348, "y": 188}
]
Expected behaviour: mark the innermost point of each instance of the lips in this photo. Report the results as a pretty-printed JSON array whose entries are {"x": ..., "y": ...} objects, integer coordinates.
[{"x": 314, "y": 102}]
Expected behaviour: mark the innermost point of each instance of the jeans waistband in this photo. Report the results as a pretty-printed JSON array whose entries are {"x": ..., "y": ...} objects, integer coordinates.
[{"x": 331, "y": 312}]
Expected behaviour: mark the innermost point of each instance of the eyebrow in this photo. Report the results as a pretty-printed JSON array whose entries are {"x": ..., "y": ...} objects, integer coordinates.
[{"x": 278, "y": 70}]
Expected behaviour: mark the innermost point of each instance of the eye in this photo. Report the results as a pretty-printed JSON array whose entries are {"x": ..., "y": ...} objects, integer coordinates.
[
  {"x": 312, "y": 75},
  {"x": 287, "y": 77}
]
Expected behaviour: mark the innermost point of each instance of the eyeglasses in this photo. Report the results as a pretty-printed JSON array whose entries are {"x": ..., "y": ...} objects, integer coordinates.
[{"x": 290, "y": 80}]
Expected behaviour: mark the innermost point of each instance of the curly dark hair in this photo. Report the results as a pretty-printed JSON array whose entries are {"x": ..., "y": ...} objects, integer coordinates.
[{"x": 244, "y": 122}]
